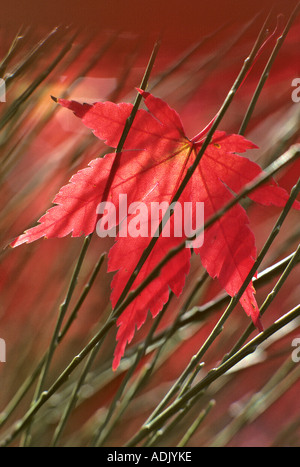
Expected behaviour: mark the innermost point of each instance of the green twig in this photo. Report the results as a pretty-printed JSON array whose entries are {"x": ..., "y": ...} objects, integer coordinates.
[
  {"x": 199, "y": 313},
  {"x": 266, "y": 72},
  {"x": 219, "y": 326},
  {"x": 142, "y": 349},
  {"x": 292, "y": 263},
  {"x": 213, "y": 374},
  {"x": 280, "y": 382},
  {"x": 11, "y": 52},
  {"x": 74, "y": 396},
  {"x": 103, "y": 432},
  {"x": 62, "y": 312},
  {"x": 23, "y": 390},
  {"x": 11, "y": 111}
]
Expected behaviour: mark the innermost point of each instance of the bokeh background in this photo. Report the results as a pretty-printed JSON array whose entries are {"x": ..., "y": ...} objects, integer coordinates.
[{"x": 102, "y": 49}]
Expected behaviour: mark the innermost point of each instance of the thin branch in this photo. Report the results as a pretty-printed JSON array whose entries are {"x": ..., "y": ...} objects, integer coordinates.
[
  {"x": 267, "y": 70},
  {"x": 199, "y": 313},
  {"x": 219, "y": 326},
  {"x": 280, "y": 382},
  {"x": 213, "y": 374},
  {"x": 103, "y": 432},
  {"x": 194, "y": 427},
  {"x": 23, "y": 390},
  {"x": 292, "y": 263}
]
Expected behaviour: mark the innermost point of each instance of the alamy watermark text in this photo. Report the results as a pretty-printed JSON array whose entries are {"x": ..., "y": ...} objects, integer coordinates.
[
  {"x": 296, "y": 351},
  {"x": 296, "y": 91},
  {"x": 139, "y": 219},
  {"x": 2, "y": 351}
]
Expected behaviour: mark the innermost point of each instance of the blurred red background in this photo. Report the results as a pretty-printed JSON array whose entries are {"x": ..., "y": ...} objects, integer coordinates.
[{"x": 181, "y": 21}]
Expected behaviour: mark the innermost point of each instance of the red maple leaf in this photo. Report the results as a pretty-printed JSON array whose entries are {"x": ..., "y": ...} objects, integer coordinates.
[{"x": 150, "y": 168}]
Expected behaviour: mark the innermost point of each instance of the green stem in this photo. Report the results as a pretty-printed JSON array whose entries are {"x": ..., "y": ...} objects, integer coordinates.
[
  {"x": 30, "y": 380},
  {"x": 103, "y": 432},
  {"x": 219, "y": 326},
  {"x": 293, "y": 262},
  {"x": 74, "y": 396},
  {"x": 194, "y": 427},
  {"x": 213, "y": 374},
  {"x": 280, "y": 382},
  {"x": 200, "y": 313},
  {"x": 8, "y": 115},
  {"x": 54, "y": 341},
  {"x": 148, "y": 369},
  {"x": 266, "y": 72}
]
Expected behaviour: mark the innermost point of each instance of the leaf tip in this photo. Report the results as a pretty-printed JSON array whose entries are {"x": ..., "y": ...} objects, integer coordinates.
[
  {"x": 116, "y": 363},
  {"x": 143, "y": 93},
  {"x": 258, "y": 324}
]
